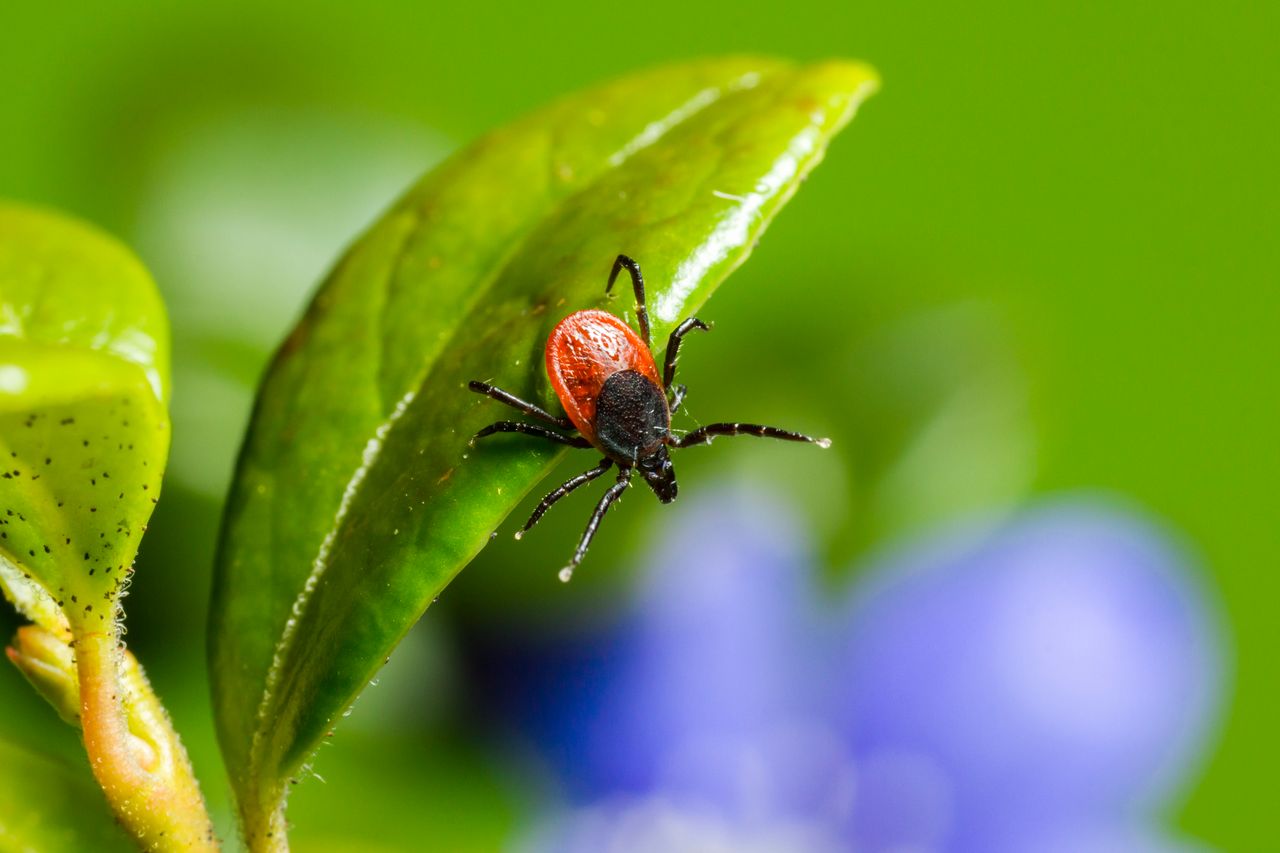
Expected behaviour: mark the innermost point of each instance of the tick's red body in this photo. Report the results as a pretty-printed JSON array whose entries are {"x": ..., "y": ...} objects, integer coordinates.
[
  {"x": 584, "y": 350},
  {"x": 617, "y": 402}
]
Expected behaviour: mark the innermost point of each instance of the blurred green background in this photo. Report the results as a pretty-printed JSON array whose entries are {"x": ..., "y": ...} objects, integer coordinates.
[{"x": 1043, "y": 258}]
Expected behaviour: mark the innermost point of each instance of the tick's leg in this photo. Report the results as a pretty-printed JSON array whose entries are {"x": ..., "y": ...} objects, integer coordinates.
[
  {"x": 531, "y": 429},
  {"x": 564, "y": 489},
  {"x": 615, "y": 491},
  {"x": 516, "y": 403},
  {"x": 703, "y": 435},
  {"x": 637, "y": 281},
  {"x": 677, "y": 397},
  {"x": 673, "y": 347}
]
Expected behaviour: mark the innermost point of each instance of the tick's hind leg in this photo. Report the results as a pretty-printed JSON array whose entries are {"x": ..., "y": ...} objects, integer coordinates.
[
  {"x": 615, "y": 492},
  {"x": 703, "y": 435},
  {"x": 637, "y": 283},
  {"x": 531, "y": 429},
  {"x": 673, "y": 347},
  {"x": 564, "y": 489},
  {"x": 520, "y": 405}
]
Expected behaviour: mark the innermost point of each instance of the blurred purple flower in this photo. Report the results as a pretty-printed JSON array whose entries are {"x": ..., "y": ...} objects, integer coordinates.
[{"x": 1043, "y": 685}]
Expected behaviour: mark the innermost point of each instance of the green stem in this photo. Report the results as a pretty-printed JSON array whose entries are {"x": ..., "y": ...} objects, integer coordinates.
[{"x": 265, "y": 829}]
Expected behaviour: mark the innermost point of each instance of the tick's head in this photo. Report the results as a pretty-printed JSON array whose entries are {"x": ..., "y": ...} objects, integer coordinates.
[{"x": 660, "y": 474}]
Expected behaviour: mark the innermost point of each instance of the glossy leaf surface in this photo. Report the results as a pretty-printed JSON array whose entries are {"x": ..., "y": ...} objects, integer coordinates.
[
  {"x": 84, "y": 429},
  {"x": 357, "y": 498}
]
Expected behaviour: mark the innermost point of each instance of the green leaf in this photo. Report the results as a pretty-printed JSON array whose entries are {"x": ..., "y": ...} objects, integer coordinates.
[
  {"x": 84, "y": 429},
  {"x": 49, "y": 806},
  {"x": 357, "y": 499}
]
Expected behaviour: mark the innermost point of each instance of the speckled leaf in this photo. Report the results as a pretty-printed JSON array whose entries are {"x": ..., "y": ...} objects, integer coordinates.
[
  {"x": 84, "y": 430},
  {"x": 48, "y": 806},
  {"x": 356, "y": 499}
]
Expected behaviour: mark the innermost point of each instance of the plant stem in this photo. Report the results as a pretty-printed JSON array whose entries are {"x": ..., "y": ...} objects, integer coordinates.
[
  {"x": 266, "y": 830},
  {"x": 135, "y": 753}
]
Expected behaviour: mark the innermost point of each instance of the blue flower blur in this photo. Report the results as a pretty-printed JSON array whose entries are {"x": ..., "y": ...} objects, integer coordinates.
[{"x": 1044, "y": 683}]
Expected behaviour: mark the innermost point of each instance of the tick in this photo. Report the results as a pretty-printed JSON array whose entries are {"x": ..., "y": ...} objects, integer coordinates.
[{"x": 616, "y": 402}]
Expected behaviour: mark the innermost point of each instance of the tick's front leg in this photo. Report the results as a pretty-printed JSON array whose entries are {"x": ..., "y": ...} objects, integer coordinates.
[
  {"x": 615, "y": 492},
  {"x": 564, "y": 489}
]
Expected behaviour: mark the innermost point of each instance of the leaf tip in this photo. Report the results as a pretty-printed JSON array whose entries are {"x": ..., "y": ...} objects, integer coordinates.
[{"x": 853, "y": 75}]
